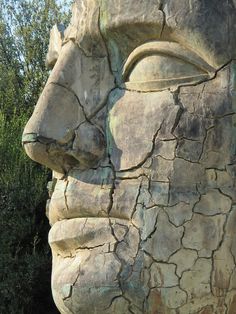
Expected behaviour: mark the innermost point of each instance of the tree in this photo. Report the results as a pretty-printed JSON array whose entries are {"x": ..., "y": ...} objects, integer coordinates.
[{"x": 25, "y": 259}]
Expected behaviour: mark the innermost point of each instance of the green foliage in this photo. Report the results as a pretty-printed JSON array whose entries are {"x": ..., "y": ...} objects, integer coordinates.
[{"x": 25, "y": 260}]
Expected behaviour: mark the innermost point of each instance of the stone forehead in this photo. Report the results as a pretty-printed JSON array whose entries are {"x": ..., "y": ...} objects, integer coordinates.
[
  {"x": 177, "y": 13},
  {"x": 115, "y": 14},
  {"x": 207, "y": 27}
]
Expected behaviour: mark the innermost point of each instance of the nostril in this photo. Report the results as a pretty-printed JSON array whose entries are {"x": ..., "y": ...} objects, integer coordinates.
[
  {"x": 82, "y": 148},
  {"x": 39, "y": 153},
  {"x": 45, "y": 140}
]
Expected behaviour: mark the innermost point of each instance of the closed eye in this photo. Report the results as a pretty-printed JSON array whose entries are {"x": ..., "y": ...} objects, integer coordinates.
[{"x": 160, "y": 65}]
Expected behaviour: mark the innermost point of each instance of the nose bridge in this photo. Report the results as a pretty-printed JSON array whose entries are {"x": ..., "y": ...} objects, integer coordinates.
[
  {"x": 58, "y": 132},
  {"x": 56, "y": 114},
  {"x": 58, "y": 109}
]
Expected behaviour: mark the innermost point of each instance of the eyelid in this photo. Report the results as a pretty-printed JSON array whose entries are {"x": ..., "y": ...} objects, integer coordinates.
[{"x": 171, "y": 49}]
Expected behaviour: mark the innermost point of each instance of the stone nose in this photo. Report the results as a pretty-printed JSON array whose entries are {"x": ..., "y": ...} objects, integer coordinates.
[
  {"x": 58, "y": 136},
  {"x": 50, "y": 130}
]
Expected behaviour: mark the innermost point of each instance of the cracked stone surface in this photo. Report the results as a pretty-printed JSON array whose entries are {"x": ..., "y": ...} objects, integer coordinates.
[
  {"x": 168, "y": 238},
  {"x": 204, "y": 233},
  {"x": 197, "y": 280},
  {"x": 137, "y": 122},
  {"x": 163, "y": 275}
]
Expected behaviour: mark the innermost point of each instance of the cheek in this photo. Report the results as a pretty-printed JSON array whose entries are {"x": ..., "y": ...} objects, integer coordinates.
[
  {"x": 134, "y": 123},
  {"x": 89, "y": 78}
]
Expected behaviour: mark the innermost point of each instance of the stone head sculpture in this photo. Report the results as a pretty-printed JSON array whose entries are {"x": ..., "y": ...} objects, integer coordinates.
[{"x": 137, "y": 122}]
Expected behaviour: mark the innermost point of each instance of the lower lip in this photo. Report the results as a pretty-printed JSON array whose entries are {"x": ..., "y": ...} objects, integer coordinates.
[{"x": 67, "y": 236}]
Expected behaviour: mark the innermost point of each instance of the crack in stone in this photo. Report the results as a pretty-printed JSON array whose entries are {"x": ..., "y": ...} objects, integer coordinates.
[
  {"x": 136, "y": 203},
  {"x": 210, "y": 78},
  {"x": 218, "y": 247},
  {"x": 113, "y": 187},
  {"x": 164, "y": 19},
  {"x": 105, "y": 44},
  {"x": 177, "y": 88},
  {"x": 65, "y": 196},
  {"x": 203, "y": 143},
  {"x": 90, "y": 247},
  {"x": 225, "y": 194},
  {"x": 74, "y": 94},
  {"x": 179, "y": 113},
  {"x": 172, "y": 223},
  {"x": 148, "y": 155}
]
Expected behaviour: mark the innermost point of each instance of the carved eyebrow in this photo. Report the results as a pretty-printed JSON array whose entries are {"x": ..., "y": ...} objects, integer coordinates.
[{"x": 168, "y": 49}]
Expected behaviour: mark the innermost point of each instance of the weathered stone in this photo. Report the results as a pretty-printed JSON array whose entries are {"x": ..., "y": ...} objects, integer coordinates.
[
  {"x": 161, "y": 169},
  {"x": 145, "y": 220},
  {"x": 135, "y": 286},
  {"x": 196, "y": 282},
  {"x": 88, "y": 154},
  {"x": 189, "y": 150},
  {"x": 163, "y": 275},
  {"x": 165, "y": 149},
  {"x": 230, "y": 231},
  {"x": 115, "y": 18},
  {"x": 67, "y": 236},
  {"x": 145, "y": 197},
  {"x": 210, "y": 99},
  {"x": 223, "y": 180},
  {"x": 119, "y": 305},
  {"x": 232, "y": 285},
  {"x": 211, "y": 178},
  {"x": 167, "y": 236},
  {"x": 173, "y": 297},
  {"x": 192, "y": 127},
  {"x": 134, "y": 150},
  {"x": 212, "y": 203},
  {"x": 125, "y": 198},
  {"x": 83, "y": 194},
  {"x": 184, "y": 259},
  {"x": 119, "y": 229},
  {"x": 231, "y": 300},
  {"x": 223, "y": 267},
  {"x": 102, "y": 287},
  {"x": 204, "y": 233},
  {"x": 159, "y": 192},
  {"x": 178, "y": 193},
  {"x": 164, "y": 69},
  {"x": 84, "y": 28},
  {"x": 127, "y": 249},
  {"x": 217, "y": 146},
  {"x": 182, "y": 178},
  {"x": 179, "y": 213},
  {"x": 184, "y": 19},
  {"x": 91, "y": 89},
  {"x": 55, "y": 44},
  {"x": 208, "y": 305}
]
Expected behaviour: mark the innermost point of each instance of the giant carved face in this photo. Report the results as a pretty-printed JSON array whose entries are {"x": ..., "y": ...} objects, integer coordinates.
[{"x": 137, "y": 122}]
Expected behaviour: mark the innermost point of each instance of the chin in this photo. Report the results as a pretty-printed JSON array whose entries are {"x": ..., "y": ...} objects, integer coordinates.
[{"x": 85, "y": 267}]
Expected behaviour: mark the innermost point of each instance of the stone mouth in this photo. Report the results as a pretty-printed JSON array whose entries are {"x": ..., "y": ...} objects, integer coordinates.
[
  {"x": 84, "y": 194},
  {"x": 61, "y": 207},
  {"x": 70, "y": 235}
]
